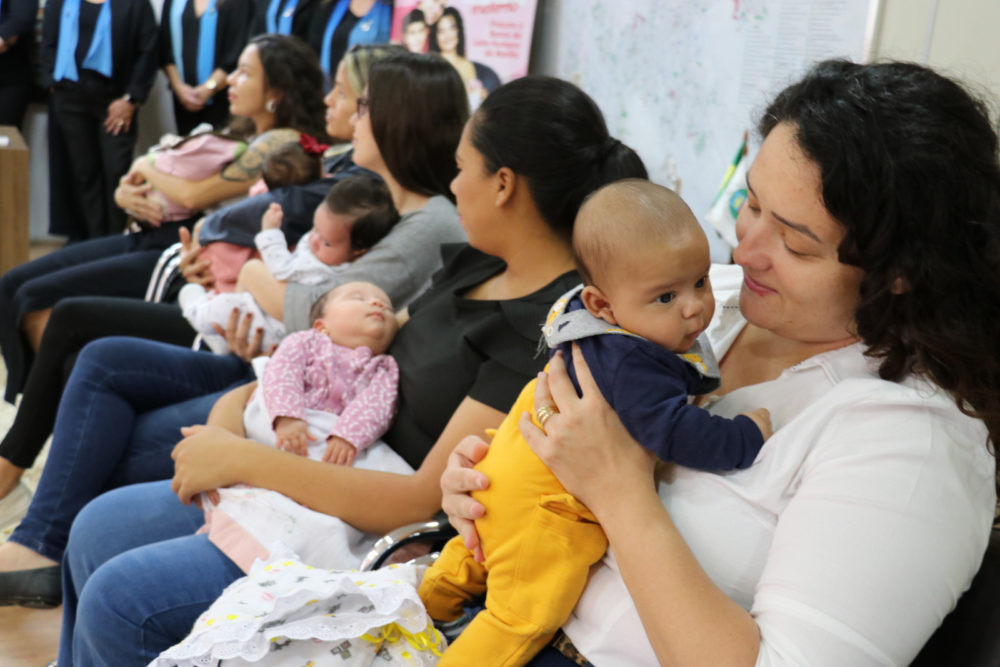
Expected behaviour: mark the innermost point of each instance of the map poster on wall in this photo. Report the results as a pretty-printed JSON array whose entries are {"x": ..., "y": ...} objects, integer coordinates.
[
  {"x": 682, "y": 81},
  {"x": 488, "y": 42}
]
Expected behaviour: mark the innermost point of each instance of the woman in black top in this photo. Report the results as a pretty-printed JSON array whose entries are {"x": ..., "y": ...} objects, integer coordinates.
[
  {"x": 17, "y": 23},
  {"x": 98, "y": 59},
  {"x": 200, "y": 42},
  {"x": 466, "y": 350}
]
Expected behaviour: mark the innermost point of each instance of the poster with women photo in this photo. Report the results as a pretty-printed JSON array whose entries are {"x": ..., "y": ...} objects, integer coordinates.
[{"x": 487, "y": 41}]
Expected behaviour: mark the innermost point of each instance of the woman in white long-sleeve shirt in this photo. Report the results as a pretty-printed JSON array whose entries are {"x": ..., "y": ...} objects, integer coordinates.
[{"x": 863, "y": 315}]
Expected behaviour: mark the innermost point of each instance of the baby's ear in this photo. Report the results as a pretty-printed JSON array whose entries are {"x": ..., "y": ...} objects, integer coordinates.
[
  {"x": 318, "y": 326},
  {"x": 597, "y": 304},
  {"x": 357, "y": 253}
]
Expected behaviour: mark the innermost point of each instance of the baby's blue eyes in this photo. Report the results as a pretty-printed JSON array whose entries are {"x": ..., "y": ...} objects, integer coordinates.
[{"x": 665, "y": 298}]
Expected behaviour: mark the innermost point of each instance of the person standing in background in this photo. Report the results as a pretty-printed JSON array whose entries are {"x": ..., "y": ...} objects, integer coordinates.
[
  {"x": 285, "y": 17},
  {"x": 200, "y": 43},
  {"x": 340, "y": 24},
  {"x": 98, "y": 59},
  {"x": 17, "y": 23}
]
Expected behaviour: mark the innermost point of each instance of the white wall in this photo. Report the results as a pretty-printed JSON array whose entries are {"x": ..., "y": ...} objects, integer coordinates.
[{"x": 956, "y": 36}]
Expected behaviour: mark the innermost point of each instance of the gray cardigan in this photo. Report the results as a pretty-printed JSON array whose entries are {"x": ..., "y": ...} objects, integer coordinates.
[{"x": 402, "y": 263}]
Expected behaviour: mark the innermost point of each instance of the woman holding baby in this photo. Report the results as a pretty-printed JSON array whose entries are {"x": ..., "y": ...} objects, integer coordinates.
[
  {"x": 863, "y": 316},
  {"x": 78, "y": 320},
  {"x": 115, "y": 395},
  {"x": 275, "y": 93}
]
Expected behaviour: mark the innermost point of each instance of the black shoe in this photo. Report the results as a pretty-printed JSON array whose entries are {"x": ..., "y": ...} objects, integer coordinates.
[{"x": 40, "y": 588}]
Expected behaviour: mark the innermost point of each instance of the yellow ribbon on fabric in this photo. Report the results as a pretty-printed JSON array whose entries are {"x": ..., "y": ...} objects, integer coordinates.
[{"x": 429, "y": 639}]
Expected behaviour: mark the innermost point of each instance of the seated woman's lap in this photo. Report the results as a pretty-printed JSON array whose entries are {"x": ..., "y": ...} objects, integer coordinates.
[
  {"x": 109, "y": 266},
  {"x": 128, "y": 398},
  {"x": 74, "y": 323},
  {"x": 119, "y": 418},
  {"x": 105, "y": 267},
  {"x": 103, "y": 556}
]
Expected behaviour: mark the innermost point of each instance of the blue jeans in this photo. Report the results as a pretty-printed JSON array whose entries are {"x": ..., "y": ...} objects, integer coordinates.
[
  {"x": 136, "y": 577},
  {"x": 119, "y": 418},
  {"x": 134, "y": 582}
]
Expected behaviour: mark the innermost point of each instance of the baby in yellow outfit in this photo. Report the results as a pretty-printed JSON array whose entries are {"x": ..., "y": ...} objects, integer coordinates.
[{"x": 638, "y": 319}]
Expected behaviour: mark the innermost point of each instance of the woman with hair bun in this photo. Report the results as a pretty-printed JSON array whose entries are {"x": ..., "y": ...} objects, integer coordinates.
[{"x": 465, "y": 351}]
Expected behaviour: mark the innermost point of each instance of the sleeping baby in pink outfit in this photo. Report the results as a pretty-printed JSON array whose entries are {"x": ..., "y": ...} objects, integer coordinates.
[{"x": 328, "y": 393}]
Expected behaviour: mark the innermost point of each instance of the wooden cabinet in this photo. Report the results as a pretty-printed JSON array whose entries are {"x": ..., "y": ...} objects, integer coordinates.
[{"x": 13, "y": 198}]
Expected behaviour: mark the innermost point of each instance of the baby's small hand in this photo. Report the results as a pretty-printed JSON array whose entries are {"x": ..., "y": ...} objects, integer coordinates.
[
  {"x": 272, "y": 217},
  {"x": 762, "y": 418},
  {"x": 292, "y": 435},
  {"x": 339, "y": 451}
]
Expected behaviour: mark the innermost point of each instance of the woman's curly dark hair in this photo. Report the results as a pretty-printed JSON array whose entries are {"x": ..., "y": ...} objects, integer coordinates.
[
  {"x": 292, "y": 68},
  {"x": 909, "y": 162}
]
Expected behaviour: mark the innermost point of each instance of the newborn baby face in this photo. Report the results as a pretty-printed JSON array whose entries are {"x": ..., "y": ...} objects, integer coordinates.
[
  {"x": 330, "y": 238},
  {"x": 357, "y": 314}
]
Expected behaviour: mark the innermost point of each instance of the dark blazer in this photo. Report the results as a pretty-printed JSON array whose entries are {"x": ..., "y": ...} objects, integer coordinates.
[
  {"x": 302, "y": 19},
  {"x": 17, "y": 19},
  {"x": 133, "y": 53},
  {"x": 232, "y": 29}
]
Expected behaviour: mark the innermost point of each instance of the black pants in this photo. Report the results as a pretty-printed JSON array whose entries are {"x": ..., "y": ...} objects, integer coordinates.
[
  {"x": 74, "y": 323},
  {"x": 14, "y": 102},
  {"x": 85, "y": 161},
  {"x": 111, "y": 266},
  {"x": 15, "y": 84}
]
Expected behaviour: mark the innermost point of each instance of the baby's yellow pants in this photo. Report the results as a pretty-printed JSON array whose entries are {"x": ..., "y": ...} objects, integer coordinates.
[{"x": 539, "y": 543}]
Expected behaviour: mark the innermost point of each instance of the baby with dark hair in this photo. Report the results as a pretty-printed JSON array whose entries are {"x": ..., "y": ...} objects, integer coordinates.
[
  {"x": 291, "y": 165},
  {"x": 356, "y": 214}
]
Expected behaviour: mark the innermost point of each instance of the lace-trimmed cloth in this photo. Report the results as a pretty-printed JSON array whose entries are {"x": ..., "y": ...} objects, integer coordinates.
[{"x": 347, "y": 618}]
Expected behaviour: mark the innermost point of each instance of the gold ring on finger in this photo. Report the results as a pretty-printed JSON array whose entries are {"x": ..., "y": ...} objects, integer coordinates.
[{"x": 544, "y": 413}]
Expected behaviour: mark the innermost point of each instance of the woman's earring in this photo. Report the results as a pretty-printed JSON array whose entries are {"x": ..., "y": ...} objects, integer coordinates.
[{"x": 270, "y": 106}]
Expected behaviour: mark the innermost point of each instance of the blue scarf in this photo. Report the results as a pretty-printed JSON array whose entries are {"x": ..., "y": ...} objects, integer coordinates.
[
  {"x": 206, "y": 40},
  {"x": 281, "y": 25},
  {"x": 98, "y": 56},
  {"x": 373, "y": 28}
]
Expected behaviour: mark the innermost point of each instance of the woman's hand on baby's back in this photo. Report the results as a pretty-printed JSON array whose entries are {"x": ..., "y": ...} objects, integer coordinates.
[{"x": 584, "y": 443}]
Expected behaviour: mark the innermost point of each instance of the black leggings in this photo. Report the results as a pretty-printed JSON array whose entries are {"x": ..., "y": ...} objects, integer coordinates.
[
  {"x": 119, "y": 266},
  {"x": 74, "y": 323}
]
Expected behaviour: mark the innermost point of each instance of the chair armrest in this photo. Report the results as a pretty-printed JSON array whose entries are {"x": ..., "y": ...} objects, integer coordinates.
[{"x": 429, "y": 535}]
